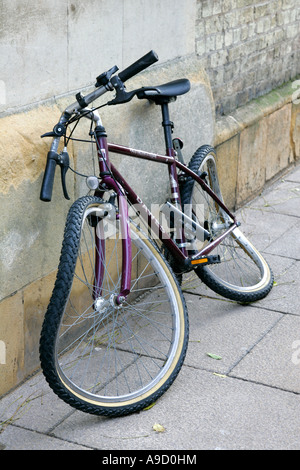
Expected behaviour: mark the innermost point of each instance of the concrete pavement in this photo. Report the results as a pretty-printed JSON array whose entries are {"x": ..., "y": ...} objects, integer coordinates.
[{"x": 248, "y": 399}]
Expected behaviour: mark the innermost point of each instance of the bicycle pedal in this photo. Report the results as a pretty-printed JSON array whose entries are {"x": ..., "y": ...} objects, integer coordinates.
[{"x": 204, "y": 260}]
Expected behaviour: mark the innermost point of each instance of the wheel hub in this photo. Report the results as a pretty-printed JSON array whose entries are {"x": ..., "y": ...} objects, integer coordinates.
[{"x": 101, "y": 305}]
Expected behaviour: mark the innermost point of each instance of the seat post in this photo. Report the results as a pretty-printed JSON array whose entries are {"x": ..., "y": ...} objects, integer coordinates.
[{"x": 167, "y": 125}]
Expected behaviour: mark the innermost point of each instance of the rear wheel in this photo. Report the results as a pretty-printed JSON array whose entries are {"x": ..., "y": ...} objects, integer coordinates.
[
  {"x": 243, "y": 274},
  {"x": 101, "y": 356}
]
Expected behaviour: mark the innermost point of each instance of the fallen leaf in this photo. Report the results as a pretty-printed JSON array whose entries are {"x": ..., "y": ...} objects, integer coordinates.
[
  {"x": 158, "y": 428},
  {"x": 219, "y": 375},
  {"x": 150, "y": 406},
  {"x": 214, "y": 356}
]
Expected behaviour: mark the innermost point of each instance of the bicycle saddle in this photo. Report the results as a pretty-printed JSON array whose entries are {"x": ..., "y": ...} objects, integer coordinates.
[{"x": 164, "y": 93}]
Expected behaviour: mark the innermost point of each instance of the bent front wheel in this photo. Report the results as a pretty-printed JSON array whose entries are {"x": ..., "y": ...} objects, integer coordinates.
[
  {"x": 98, "y": 355},
  {"x": 243, "y": 274}
]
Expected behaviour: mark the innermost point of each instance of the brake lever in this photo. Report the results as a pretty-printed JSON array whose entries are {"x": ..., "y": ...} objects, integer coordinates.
[
  {"x": 58, "y": 131},
  {"x": 122, "y": 96},
  {"x": 63, "y": 161}
]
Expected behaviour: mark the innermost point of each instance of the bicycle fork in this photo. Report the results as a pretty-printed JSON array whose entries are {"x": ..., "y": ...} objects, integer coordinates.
[
  {"x": 121, "y": 217},
  {"x": 121, "y": 230}
]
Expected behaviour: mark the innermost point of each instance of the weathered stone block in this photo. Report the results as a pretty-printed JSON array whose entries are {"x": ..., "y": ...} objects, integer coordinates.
[
  {"x": 278, "y": 149},
  {"x": 12, "y": 342},
  {"x": 36, "y": 298},
  {"x": 295, "y": 130},
  {"x": 31, "y": 234},
  {"x": 227, "y": 161},
  {"x": 77, "y": 44},
  {"x": 30, "y": 63},
  {"x": 30, "y": 230},
  {"x": 252, "y": 161},
  {"x": 22, "y": 152}
]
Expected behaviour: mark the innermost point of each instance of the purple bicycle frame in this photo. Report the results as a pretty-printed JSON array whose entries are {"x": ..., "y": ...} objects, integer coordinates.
[{"x": 115, "y": 181}]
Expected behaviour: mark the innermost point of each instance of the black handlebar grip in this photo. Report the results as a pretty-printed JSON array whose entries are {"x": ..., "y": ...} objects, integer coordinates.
[
  {"x": 48, "y": 180},
  {"x": 138, "y": 66}
]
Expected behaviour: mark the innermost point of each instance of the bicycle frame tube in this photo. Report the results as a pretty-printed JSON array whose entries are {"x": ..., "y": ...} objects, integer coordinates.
[
  {"x": 149, "y": 218},
  {"x": 172, "y": 162},
  {"x": 115, "y": 181}
]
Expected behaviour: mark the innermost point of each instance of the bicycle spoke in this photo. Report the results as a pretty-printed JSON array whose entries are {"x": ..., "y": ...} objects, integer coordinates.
[
  {"x": 242, "y": 273},
  {"x": 107, "y": 351}
]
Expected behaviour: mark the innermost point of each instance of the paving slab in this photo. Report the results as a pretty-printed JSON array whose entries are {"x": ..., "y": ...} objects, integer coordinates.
[
  {"x": 288, "y": 244},
  {"x": 34, "y": 406},
  {"x": 15, "y": 438},
  {"x": 246, "y": 398},
  {"x": 284, "y": 297},
  {"x": 293, "y": 175},
  {"x": 282, "y": 198},
  {"x": 275, "y": 360},
  {"x": 265, "y": 227},
  {"x": 200, "y": 411},
  {"x": 224, "y": 329}
]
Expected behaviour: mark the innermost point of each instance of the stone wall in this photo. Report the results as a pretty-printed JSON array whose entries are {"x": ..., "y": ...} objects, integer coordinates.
[
  {"x": 258, "y": 142},
  {"x": 50, "y": 50},
  {"x": 51, "y": 47},
  {"x": 248, "y": 47}
]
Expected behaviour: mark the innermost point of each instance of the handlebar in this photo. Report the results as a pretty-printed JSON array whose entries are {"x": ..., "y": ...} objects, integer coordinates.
[
  {"x": 53, "y": 158},
  {"x": 138, "y": 66},
  {"x": 47, "y": 185}
]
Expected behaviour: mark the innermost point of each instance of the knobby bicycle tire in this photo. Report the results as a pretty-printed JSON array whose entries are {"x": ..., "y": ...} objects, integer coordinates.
[
  {"x": 243, "y": 274},
  {"x": 98, "y": 356}
]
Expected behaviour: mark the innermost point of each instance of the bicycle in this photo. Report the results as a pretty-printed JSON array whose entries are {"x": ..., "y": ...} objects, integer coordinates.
[{"x": 115, "y": 333}]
